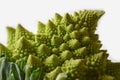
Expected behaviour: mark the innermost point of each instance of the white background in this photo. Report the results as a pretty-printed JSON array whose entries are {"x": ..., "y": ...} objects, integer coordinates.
[{"x": 29, "y": 12}]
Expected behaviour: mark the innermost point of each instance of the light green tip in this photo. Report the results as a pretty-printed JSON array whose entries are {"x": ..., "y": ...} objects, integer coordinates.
[
  {"x": 34, "y": 61},
  {"x": 41, "y": 27}
]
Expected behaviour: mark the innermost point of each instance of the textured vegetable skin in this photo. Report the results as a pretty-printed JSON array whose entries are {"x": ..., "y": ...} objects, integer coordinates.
[{"x": 66, "y": 48}]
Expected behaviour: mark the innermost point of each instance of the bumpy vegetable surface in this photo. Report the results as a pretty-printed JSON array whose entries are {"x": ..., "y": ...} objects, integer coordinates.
[{"x": 66, "y": 48}]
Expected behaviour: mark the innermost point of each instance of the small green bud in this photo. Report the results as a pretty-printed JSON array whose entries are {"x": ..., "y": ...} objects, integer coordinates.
[
  {"x": 63, "y": 47},
  {"x": 74, "y": 44},
  {"x": 75, "y": 35},
  {"x": 70, "y": 28},
  {"x": 65, "y": 55}
]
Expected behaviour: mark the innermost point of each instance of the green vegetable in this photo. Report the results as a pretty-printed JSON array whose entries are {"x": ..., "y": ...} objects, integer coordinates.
[{"x": 66, "y": 48}]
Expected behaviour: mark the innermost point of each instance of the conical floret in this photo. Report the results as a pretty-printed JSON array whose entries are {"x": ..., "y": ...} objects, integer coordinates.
[
  {"x": 3, "y": 50},
  {"x": 11, "y": 36},
  {"x": 41, "y": 28},
  {"x": 21, "y": 31}
]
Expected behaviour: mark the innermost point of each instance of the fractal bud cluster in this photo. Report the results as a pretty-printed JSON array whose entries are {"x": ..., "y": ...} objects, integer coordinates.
[{"x": 66, "y": 48}]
